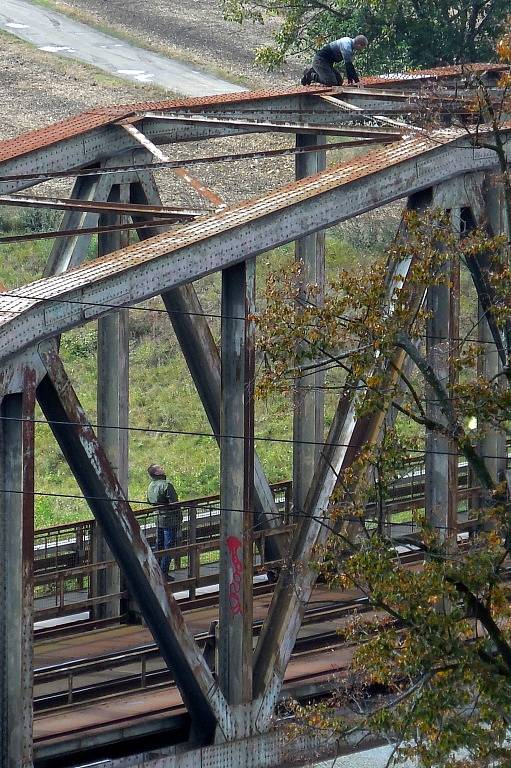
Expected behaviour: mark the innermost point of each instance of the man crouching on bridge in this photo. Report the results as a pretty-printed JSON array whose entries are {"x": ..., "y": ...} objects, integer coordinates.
[{"x": 343, "y": 49}]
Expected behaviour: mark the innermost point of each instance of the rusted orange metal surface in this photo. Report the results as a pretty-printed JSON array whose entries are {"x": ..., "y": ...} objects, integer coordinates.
[{"x": 102, "y": 116}]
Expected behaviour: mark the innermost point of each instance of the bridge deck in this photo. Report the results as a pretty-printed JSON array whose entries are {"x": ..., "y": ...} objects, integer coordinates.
[{"x": 309, "y": 667}]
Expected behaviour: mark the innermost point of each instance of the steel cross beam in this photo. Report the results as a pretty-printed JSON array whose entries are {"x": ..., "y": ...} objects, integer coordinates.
[
  {"x": 107, "y": 500},
  {"x": 82, "y": 231},
  {"x": 274, "y": 127},
  {"x": 95, "y": 206},
  {"x": 199, "y": 187},
  {"x": 46, "y": 308}
]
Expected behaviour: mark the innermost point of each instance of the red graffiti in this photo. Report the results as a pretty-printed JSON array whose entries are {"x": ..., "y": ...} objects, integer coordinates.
[{"x": 233, "y": 544}]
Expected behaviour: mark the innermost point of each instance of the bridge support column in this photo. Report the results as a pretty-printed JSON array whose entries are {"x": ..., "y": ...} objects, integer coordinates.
[
  {"x": 442, "y": 332},
  {"x": 308, "y": 413},
  {"x": 236, "y": 483},
  {"x": 112, "y": 405},
  {"x": 492, "y": 447},
  {"x": 16, "y": 574}
]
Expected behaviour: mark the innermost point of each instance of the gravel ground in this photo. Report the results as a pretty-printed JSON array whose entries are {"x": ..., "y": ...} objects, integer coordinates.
[
  {"x": 37, "y": 89},
  {"x": 193, "y": 30}
]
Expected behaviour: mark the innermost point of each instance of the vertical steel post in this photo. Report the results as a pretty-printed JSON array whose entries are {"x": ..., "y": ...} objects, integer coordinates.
[
  {"x": 202, "y": 357},
  {"x": 308, "y": 412},
  {"x": 492, "y": 446},
  {"x": 441, "y": 505},
  {"x": 454, "y": 335},
  {"x": 16, "y": 574},
  {"x": 112, "y": 403},
  {"x": 236, "y": 483}
]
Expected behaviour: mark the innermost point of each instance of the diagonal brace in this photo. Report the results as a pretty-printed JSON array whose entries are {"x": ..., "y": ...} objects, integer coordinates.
[
  {"x": 203, "y": 359},
  {"x": 93, "y": 472},
  {"x": 296, "y": 582}
]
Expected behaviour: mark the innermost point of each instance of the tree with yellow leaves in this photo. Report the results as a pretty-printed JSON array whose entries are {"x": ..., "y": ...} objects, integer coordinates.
[{"x": 432, "y": 673}]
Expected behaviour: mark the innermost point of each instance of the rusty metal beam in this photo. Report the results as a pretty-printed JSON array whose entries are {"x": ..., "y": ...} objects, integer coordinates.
[
  {"x": 107, "y": 501},
  {"x": 145, "y": 269},
  {"x": 190, "y": 161},
  {"x": 70, "y": 204},
  {"x": 95, "y": 206},
  {"x": 86, "y": 139},
  {"x": 274, "y": 127},
  {"x": 182, "y": 173},
  {"x": 99, "y": 230}
]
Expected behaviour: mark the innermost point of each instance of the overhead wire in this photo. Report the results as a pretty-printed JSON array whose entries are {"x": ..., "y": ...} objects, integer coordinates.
[{"x": 212, "y": 435}]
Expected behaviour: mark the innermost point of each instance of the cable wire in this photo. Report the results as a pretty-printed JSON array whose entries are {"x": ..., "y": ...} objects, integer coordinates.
[{"x": 212, "y": 435}]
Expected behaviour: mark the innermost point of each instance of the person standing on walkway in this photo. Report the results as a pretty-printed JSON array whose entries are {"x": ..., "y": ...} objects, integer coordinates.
[
  {"x": 343, "y": 49},
  {"x": 161, "y": 492}
]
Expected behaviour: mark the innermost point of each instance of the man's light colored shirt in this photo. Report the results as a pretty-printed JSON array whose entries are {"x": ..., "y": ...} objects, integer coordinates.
[{"x": 343, "y": 47}]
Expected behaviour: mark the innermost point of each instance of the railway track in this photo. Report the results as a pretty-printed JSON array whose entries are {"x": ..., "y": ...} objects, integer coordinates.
[
  {"x": 169, "y": 720},
  {"x": 151, "y": 670}
]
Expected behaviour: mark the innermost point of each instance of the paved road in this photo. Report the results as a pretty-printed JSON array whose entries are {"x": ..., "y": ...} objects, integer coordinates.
[{"x": 57, "y": 34}]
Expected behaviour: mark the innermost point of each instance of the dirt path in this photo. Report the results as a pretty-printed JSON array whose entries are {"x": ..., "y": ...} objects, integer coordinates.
[
  {"x": 55, "y": 33},
  {"x": 189, "y": 30}
]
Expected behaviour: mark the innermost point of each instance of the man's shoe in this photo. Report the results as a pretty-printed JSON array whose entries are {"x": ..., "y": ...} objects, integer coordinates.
[{"x": 306, "y": 77}]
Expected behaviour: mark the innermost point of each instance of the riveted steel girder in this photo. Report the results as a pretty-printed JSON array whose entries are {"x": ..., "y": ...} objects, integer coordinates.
[{"x": 48, "y": 307}]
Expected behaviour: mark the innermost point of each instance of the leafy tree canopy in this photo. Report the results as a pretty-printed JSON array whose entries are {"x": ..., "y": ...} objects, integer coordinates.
[
  {"x": 402, "y": 33},
  {"x": 432, "y": 668}
]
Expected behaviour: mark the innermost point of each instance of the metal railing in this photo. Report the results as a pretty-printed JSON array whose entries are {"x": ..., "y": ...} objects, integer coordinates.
[{"x": 65, "y": 571}]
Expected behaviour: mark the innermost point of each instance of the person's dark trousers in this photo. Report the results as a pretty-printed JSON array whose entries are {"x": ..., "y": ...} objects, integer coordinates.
[
  {"x": 167, "y": 538},
  {"x": 325, "y": 71}
]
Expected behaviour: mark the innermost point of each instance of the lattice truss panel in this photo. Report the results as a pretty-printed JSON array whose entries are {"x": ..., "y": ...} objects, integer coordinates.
[{"x": 112, "y": 157}]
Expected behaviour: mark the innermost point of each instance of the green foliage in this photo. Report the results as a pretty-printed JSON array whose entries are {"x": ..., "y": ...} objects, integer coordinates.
[
  {"x": 77, "y": 345},
  {"x": 403, "y": 33},
  {"x": 162, "y": 394}
]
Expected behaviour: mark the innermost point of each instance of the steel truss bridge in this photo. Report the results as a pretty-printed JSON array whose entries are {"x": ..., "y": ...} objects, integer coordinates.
[{"x": 111, "y": 154}]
